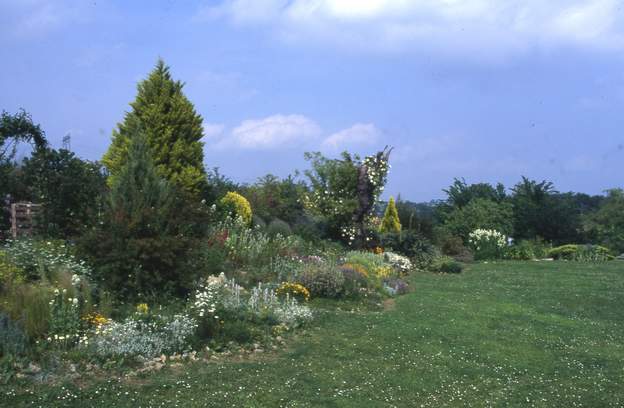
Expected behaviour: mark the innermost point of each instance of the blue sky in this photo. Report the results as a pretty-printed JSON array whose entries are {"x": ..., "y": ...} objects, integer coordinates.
[{"x": 488, "y": 90}]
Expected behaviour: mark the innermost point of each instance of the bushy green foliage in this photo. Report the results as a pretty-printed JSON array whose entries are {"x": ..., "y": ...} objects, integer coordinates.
[
  {"x": 446, "y": 264},
  {"x": 274, "y": 198},
  {"x": 235, "y": 205},
  {"x": 607, "y": 224},
  {"x": 584, "y": 253},
  {"x": 279, "y": 227},
  {"x": 390, "y": 222},
  {"x": 480, "y": 213},
  {"x": 69, "y": 189},
  {"x": 9, "y": 272},
  {"x": 344, "y": 193},
  {"x": 322, "y": 280},
  {"x": 526, "y": 250},
  {"x": 173, "y": 132},
  {"x": 147, "y": 240},
  {"x": 407, "y": 242},
  {"x": 460, "y": 194}
]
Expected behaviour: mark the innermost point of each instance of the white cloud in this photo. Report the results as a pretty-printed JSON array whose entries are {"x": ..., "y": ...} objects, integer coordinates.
[
  {"x": 277, "y": 131},
  {"x": 470, "y": 28},
  {"x": 360, "y": 134},
  {"x": 34, "y": 18},
  {"x": 213, "y": 130}
]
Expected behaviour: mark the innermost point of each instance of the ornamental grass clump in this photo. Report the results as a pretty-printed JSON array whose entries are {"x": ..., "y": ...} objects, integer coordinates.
[{"x": 487, "y": 244}]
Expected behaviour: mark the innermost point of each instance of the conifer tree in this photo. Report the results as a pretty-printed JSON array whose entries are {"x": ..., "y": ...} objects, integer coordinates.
[
  {"x": 142, "y": 246},
  {"x": 173, "y": 130},
  {"x": 390, "y": 222}
]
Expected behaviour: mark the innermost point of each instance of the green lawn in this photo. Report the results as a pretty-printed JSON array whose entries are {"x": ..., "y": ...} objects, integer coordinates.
[{"x": 507, "y": 334}]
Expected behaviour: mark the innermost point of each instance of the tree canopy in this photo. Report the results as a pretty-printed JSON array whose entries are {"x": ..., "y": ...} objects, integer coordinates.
[{"x": 173, "y": 130}]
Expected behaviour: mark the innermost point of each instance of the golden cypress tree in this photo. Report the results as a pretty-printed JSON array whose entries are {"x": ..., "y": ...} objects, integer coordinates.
[
  {"x": 390, "y": 222},
  {"x": 173, "y": 130}
]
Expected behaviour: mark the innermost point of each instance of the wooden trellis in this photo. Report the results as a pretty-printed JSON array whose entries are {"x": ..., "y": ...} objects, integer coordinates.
[{"x": 23, "y": 219}]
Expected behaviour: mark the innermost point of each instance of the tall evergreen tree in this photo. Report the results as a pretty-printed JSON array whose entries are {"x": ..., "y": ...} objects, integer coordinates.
[
  {"x": 143, "y": 246},
  {"x": 173, "y": 130}
]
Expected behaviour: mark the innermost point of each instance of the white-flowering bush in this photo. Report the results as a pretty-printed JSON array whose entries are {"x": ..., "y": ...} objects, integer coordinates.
[
  {"x": 39, "y": 259},
  {"x": 291, "y": 313},
  {"x": 219, "y": 293},
  {"x": 487, "y": 244},
  {"x": 208, "y": 297},
  {"x": 399, "y": 262},
  {"x": 136, "y": 337}
]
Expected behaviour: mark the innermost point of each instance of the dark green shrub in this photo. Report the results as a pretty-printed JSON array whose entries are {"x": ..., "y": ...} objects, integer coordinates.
[
  {"x": 521, "y": 251},
  {"x": 279, "y": 227},
  {"x": 451, "y": 267},
  {"x": 258, "y": 222},
  {"x": 150, "y": 233},
  {"x": 446, "y": 264}
]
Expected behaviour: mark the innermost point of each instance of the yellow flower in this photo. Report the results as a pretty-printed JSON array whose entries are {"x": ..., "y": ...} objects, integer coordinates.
[
  {"x": 295, "y": 290},
  {"x": 96, "y": 319},
  {"x": 142, "y": 308},
  {"x": 383, "y": 271},
  {"x": 357, "y": 268}
]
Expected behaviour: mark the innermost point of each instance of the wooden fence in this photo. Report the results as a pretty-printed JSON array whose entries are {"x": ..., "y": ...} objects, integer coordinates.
[{"x": 23, "y": 219}]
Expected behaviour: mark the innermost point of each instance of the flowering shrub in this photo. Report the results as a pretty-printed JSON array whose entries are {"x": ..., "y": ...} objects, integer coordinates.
[
  {"x": 400, "y": 263},
  {"x": 294, "y": 290},
  {"x": 322, "y": 281},
  {"x": 291, "y": 313},
  {"x": 208, "y": 296},
  {"x": 487, "y": 244},
  {"x": 237, "y": 206},
  {"x": 41, "y": 259},
  {"x": 383, "y": 271},
  {"x": 373, "y": 264},
  {"x": 356, "y": 268},
  {"x": 138, "y": 337},
  {"x": 95, "y": 319}
]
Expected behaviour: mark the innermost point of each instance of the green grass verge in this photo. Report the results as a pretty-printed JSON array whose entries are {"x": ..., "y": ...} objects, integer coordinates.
[{"x": 546, "y": 334}]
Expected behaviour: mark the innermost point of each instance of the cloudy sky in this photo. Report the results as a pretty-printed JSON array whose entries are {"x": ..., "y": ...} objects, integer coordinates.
[{"x": 488, "y": 90}]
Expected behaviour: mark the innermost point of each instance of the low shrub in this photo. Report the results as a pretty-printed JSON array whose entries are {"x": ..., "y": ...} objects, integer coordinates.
[
  {"x": 322, "y": 280},
  {"x": 395, "y": 286},
  {"x": 279, "y": 227},
  {"x": 582, "y": 253},
  {"x": 42, "y": 260},
  {"x": 355, "y": 279},
  {"x": 140, "y": 336},
  {"x": 401, "y": 264},
  {"x": 446, "y": 264},
  {"x": 236, "y": 205},
  {"x": 526, "y": 250}
]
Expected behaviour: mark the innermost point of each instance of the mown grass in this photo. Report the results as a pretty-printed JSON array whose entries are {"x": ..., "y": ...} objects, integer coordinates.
[{"x": 523, "y": 334}]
